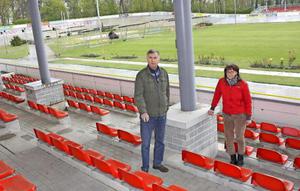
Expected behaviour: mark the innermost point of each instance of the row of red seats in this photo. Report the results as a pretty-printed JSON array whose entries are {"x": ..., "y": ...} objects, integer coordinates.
[
  {"x": 15, "y": 88},
  {"x": 108, "y": 103},
  {"x": 240, "y": 173},
  {"x": 13, "y": 182},
  {"x": 24, "y": 77},
  {"x": 121, "y": 134},
  {"x": 17, "y": 81},
  {"x": 70, "y": 88},
  {"x": 11, "y": 97},
  {"x": 7, "y": 117},
  {"x": 47, "y": 110},
  {"x": 269, "y": 127},
  {"x": 282, "y": 9},
  {"x": 115, "y": 168},
  {"x": 87, "y": 108},
  {"x": 293, "y": 143},
  {"x": 265, "y": 154}
]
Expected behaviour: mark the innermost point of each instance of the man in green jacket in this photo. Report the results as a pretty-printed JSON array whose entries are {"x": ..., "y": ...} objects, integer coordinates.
[{"x": 152, "y": 96}]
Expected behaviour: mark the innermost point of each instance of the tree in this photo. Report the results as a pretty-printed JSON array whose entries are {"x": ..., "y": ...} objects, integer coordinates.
[
  {"x": 88, "y": 8},
  {"x": 108, "y": 7},
  {"x": 5, "y": 11},
  {"x": 52, "y": 10},
  {"x": 74, "y": 9}
]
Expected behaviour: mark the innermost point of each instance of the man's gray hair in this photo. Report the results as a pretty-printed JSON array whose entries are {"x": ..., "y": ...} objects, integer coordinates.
[{"x": 152, "y": 51}]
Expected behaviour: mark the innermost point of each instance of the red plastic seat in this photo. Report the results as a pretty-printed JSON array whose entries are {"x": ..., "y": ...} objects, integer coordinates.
[
  {"x": 248, "y": 149},
  {"x": 98, "y": 100},
  {"x": 297, "y": 162},
  {"x": 253, "y": 125},
  {"x": 249, "y": 134},
  {"x": 156, "y": 187},
  {"x": 73, "y": 104},
  {"x": 108, "y": 102},
  {"x": 16, "y": 183},
  {"x": 270, "y": 138},
  {"x": 92, "y": 91},
  {"x": 15, "y": 99},
  {"x": 131, "y": 108},
  {"x": 119, "y": 105},
  {"x": 80, "y": 154},
  {"x": 271, "y": 155},
  {"x": 100, "y": 93},
  {"x": 94, "y": 155},
  {"x": 19, "y": 89},
  {"x": 85, "y": 90},
  {"x": 271, "y": 183},
  {"x": 111, "y": 167},
  {"x": 233, "y": 171},
  {"x": 55, "y": 136},
  {"x": 57, "y": 113},
  {"x": 84, "y": 107},
  {"x": 72, "y": 88},
  {"x": 128, "y": 99},
  {"x": 66, "y": 86},
  {"x": 66, "y": 93},
  {"x": 107, "y": 130},
  {"x": 129, "y": 137},
  {"x": 220, "y": 127},
  {"x": 99, "y": 111},
  {"x": 290, "y": 131},
  {"x": 42, "y": 136},
  {"x": 80, "y": 96},
  {"x": 88, "y": 98},
  {"x": 5, "y": 170},
  {"x": 72, "y": 94},
  {"x": 292, "y": 143},
  {"x": 197, "y": 160},
  {"x": 220, "y": 118},
  {"x": 269, "y": 127},
  {"x": 140, "y": 179},
  {"x": 43, "y": 108},
  {"x": 118, "y": 97},
  {"x": 7, "y": 117},
  {"x": 109, "y": 95},
  {"x": 78, "y": 89},
  {"x": 60, "y": 144}
]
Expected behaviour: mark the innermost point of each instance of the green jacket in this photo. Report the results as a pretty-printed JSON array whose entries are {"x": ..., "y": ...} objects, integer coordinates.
[{"x": 150, "y": 96}]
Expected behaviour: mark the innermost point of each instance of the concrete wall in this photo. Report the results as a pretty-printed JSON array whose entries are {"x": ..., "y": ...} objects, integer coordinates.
[{"x": 281, "y": 112}]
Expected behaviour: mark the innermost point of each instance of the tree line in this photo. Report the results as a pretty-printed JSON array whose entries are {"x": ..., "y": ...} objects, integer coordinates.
[{"x": 16, "y": 11}]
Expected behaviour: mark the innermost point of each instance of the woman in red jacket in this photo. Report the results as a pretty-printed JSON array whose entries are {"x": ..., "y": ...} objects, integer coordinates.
[{"x": 237, "y": 110}]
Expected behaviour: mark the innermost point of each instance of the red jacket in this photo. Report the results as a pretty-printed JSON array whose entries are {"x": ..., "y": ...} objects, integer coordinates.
[{"x": 236, "y": 99}]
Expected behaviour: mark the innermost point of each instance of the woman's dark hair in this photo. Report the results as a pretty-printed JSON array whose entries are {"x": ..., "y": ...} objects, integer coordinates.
[{"x": 234, "y": 68}]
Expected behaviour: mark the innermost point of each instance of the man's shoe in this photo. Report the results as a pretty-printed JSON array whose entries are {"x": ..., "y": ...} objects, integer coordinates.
[
  {"x": 161, "y": 168},
  {"x": 240, "y": 161},
  {"x": 233, "y": 159}
]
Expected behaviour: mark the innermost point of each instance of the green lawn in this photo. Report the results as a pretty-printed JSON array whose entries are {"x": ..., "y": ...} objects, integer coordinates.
[
  {"x": 200, "y": 73},
  {"x": 240, "y": 44},
  {"x": 13, "y": 52}
]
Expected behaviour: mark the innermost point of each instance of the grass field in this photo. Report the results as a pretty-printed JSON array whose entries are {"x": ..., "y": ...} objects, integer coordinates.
[
  {"x": 13, "y": 52},
  {"x": 199, "y": 73},
  {"x": 241, "y": 44}
]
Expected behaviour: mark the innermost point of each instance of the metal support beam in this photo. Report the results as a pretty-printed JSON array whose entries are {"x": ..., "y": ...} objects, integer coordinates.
[
  {"x": 38, "y": 40},
  {"x": 185, "y": 54}
]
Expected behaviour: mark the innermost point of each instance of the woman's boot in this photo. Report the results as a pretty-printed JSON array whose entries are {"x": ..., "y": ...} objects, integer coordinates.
[
  {"x": 233, "y": 159},
  {"x": 240, "y": 161}
]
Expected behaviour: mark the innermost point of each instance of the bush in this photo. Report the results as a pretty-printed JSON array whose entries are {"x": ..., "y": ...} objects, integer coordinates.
[
  {"x": 90, "y": 55},
  {"x": 21, "y": 21},
  {"x": 17, "y": 41}
]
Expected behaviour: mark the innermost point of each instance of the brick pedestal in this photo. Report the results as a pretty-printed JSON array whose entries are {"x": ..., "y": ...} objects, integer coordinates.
[{"x": 194, "y": 131}]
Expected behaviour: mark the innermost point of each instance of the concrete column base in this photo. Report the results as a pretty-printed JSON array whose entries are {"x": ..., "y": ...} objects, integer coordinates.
[
  {"x": 47, "y": 94},
  {"x": 194, "y": 131}
]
